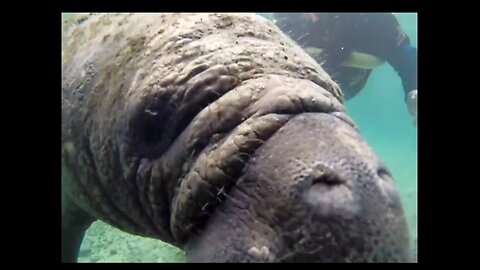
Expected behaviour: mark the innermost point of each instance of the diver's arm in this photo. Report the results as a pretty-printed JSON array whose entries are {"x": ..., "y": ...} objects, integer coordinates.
[
  {"x": 381, "y": 35},
  {"x": 404, "y": 61}
]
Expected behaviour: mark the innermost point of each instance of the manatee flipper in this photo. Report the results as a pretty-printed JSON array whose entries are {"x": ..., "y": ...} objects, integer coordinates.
[{"x": 75, "y": 222}]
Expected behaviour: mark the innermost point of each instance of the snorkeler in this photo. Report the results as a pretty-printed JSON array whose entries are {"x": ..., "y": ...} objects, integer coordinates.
[{"x": 350, "y": 45}]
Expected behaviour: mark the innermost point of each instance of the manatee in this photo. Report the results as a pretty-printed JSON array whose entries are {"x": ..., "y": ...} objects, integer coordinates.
[{"x": 218, "y": 134}]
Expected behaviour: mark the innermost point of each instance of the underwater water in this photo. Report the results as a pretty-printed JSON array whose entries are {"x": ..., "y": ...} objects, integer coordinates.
[{"x": 382, "y": 117}]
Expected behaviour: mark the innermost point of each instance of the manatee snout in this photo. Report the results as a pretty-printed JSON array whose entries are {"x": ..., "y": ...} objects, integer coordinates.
[{"x": 315, "y": 191}]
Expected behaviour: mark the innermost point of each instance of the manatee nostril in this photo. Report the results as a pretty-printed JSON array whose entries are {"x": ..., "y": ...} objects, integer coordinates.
[
  {"x": 384, "y": 174},
  {"x": 327, "y": 178}
]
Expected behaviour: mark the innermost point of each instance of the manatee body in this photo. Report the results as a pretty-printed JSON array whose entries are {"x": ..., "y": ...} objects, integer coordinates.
[{"x": 218, "y": 134}]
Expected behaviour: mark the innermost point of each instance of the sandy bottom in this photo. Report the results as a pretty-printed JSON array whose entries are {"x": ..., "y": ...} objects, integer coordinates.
[{"x": 103, "y": 243}]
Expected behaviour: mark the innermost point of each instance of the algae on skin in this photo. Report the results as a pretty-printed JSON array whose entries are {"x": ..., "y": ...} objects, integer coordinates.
[{"x": 135, "y": 46}]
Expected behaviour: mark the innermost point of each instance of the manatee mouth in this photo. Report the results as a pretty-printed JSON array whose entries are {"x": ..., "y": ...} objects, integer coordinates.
[
  {"x": 216, "y": 170},
  {"x": 208, "y": 155}
]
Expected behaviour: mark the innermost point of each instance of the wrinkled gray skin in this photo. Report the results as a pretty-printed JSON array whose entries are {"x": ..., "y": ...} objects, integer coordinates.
[{"x": 218, "y": 134}]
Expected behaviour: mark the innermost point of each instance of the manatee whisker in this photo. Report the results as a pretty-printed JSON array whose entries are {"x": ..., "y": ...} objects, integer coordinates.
[
  {"x": 220, "y": 191},
  {"x": 215, "y": 92},
  {"x": 193, "y": 153},
  {"x": 189, "y": 226},
  {"x": 302, "y": 36},
  {"x": 205, "y": 206}
]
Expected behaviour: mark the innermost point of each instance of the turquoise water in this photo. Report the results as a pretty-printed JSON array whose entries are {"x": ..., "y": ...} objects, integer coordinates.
[{"x": 382, "y": 116}]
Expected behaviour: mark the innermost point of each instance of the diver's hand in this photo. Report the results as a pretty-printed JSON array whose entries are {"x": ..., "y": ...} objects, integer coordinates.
[{"x": 412, "y": 105}]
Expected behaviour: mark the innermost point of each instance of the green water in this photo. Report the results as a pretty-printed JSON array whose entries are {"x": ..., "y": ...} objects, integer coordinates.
[{"x": 381, "y": 114}]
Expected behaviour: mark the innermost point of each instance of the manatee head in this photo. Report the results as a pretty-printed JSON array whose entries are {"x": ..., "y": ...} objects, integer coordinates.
[
  {"x": 313, "y": 192},
  {"x": 218, "y": 134}
]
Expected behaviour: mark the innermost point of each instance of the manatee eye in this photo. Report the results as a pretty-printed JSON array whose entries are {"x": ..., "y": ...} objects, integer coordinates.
[{"x": 152, "y": 129}]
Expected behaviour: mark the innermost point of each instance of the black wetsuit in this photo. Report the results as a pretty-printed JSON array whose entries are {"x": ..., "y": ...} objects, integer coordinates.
[{"x": 377, "y": 34}]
